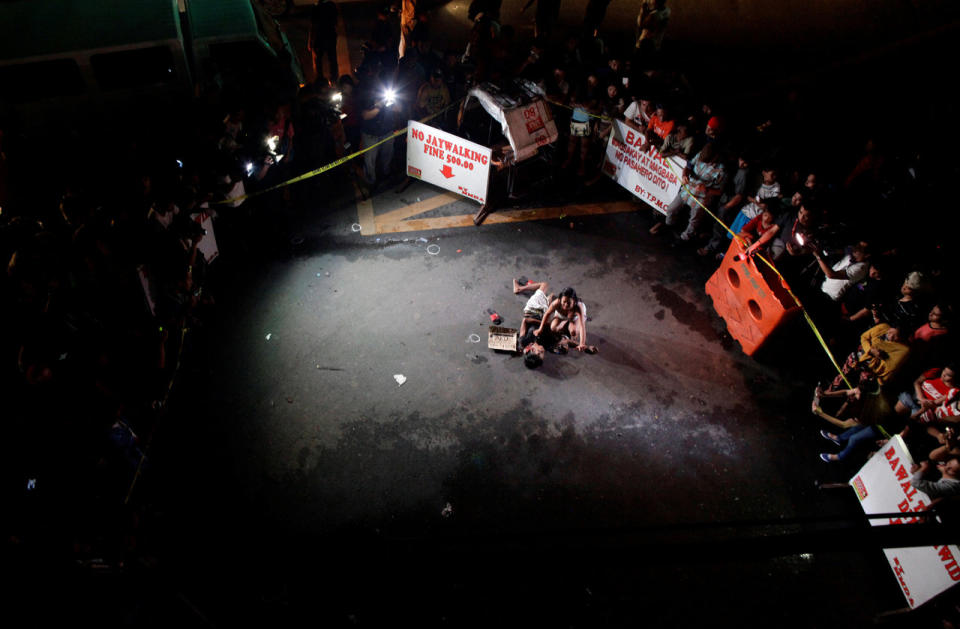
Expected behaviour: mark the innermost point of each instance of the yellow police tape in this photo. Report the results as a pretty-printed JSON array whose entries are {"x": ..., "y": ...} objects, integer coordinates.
[
  {"x": 333, "y": 164},
  {"x": 783, "y": 281}
]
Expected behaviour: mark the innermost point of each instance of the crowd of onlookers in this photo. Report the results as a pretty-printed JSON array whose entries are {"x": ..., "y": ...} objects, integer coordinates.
[{"x": 103, "y": 277}]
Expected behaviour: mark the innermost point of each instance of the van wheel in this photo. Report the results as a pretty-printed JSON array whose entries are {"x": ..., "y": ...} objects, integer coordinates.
[{"x": 277, "y": 8}]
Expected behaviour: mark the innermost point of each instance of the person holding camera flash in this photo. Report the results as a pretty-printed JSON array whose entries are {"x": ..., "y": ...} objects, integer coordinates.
[{"x": 376, "y": 118}]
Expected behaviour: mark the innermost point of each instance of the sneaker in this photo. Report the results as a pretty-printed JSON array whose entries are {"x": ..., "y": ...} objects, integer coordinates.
[
  {"x": 825, "y": 457},
  {"x": 826, "y": 435}
]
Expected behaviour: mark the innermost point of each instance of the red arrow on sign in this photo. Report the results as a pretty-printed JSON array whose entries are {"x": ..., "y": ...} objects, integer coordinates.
[{"x": 446, "y": 171}]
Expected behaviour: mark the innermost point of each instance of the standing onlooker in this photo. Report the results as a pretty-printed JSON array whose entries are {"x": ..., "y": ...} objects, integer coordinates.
[
  {"x": 375, "y": 118},
  {"x": 729, "y": 206},
  {"x": 323, "y": 38},
  {"x": 593, "y": 16},
  {"x": 548, "y": 11},
  {"x": 703, "y": 182},
  {"x": 651, "y": 25},
  {"x": 433, "y": 97}
]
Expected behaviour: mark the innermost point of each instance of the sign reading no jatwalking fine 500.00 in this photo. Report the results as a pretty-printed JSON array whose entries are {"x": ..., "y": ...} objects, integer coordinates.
[{"x": 448, "y": 161}]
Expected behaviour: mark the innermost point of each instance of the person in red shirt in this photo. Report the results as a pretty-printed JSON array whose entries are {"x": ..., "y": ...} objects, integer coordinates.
[
  {"x": 932, "y": 390},
  {"x": 760, "y": 230},
  {"x": 930, "y": 342},
  {"x": 660, "y": 126}
]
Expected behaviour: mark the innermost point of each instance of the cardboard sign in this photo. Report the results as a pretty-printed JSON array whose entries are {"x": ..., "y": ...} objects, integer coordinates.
[
  {"x": 638, "y": 167},
  {"x": 502, "y": 339},
  {"x": 883, "y": 486},
  {"x": 526, "y": 127},
  {"x": 448, "y": 161}
]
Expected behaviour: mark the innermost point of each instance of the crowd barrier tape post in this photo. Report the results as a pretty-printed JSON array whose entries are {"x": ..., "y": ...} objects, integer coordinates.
[{"x": 335, "y": 163}]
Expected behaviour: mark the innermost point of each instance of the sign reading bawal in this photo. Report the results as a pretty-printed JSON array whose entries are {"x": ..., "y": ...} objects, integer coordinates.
[
  {"x": 639, "y": 168},
  {"x": 448, "y": 161},
  {"x": 883, "y": 486}
]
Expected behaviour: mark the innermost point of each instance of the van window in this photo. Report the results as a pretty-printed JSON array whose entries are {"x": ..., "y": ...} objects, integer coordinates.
[
  {"x": 140, "y": 67},
  {"x": 26, "y": 82}
]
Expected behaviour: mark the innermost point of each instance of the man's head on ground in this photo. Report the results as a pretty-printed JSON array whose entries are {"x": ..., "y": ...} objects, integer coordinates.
[{"x": 533, "y": 355}]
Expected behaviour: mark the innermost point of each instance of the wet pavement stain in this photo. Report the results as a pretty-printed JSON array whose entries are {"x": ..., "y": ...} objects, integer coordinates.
[{"x": 685, "y": 312}]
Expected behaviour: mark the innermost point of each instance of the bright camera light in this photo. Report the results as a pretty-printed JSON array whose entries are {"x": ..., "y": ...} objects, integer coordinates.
[
  {"x": 389, "y": 96},
  {"x": 337, "y": 97},
  {"x": 272, "y": 142},
  {"x": 249, "y": 167},
  {"x": 801, "y": 240}
]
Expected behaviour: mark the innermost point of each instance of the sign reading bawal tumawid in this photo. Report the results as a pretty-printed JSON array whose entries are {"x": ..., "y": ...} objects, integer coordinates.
[
  {"x": 883, "y": 486},
  {"x": 448, "y": 161}
]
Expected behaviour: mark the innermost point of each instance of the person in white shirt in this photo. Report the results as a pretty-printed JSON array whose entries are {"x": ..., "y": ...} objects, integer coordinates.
[
  {"x": 852, "y": 268},
  {"x": 638, "y": 113}
]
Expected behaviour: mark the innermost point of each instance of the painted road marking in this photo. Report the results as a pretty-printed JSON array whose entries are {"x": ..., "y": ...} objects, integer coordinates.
[
  {"x": 440, "y": 200},
  {"x": 396, "y": 225}
]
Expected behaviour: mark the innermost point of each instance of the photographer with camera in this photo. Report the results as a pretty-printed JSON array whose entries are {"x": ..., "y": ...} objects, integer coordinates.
[{"x": 376, "y": 100}]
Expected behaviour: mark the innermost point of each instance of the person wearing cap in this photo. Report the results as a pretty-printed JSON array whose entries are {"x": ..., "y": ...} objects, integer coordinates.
[
  {"x": 714, "y": 128},
  {"x": 907, "y": 312}
]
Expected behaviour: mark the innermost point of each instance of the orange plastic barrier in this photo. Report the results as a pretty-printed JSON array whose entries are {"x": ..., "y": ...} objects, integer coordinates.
[{"x": 752, "y": 304}]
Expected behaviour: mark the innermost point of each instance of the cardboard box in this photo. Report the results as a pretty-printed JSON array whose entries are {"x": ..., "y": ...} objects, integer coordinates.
[{"x": 502, "y": 339}]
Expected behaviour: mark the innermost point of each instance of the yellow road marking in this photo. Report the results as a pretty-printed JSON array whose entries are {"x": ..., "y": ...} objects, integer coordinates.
[
  {"x": 503, "y": 216},
  {"x": 444, "y": 198}
]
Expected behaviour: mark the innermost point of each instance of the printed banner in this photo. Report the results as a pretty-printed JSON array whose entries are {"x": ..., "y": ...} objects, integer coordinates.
[
  {"x": 639, "y": 168},
  {"x": 883, "y": 486},
  {"x": 448, "y": 161}
]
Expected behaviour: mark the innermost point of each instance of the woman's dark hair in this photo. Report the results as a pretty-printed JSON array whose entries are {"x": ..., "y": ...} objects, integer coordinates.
[
  {"x": 531, "y": 360},
  {"x": 569, "y": 292}
]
